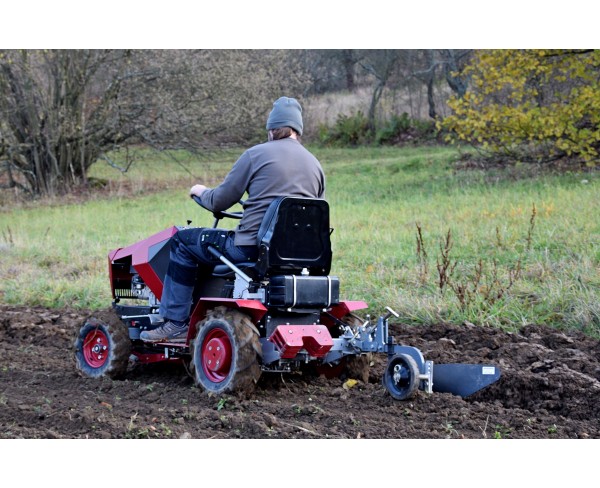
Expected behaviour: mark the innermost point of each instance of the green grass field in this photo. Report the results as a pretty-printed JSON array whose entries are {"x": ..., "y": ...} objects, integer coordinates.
[{"x": 522, "y": 249}]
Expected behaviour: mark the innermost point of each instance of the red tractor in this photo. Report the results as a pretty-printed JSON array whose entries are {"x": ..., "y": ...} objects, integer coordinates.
[{"x": 282, "y": 313}]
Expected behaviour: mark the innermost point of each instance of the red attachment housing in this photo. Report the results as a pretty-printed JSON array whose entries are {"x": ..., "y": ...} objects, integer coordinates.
[
  {"x": 290, "y": 339},
  {"x": 149, "y": 258}
]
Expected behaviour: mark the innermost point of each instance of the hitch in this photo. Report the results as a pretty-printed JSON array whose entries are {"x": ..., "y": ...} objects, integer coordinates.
[{"x": 407, "y": 370}]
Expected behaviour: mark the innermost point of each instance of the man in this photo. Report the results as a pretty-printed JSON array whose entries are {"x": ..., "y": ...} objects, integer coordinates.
[{"x": 279, "y": 167}]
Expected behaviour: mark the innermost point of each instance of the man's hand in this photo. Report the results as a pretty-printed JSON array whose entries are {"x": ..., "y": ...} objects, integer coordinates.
[{"x": 197, "y": 190}]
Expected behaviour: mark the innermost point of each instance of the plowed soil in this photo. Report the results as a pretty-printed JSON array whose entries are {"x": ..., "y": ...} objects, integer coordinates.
[{"x": 550, "y": 389}]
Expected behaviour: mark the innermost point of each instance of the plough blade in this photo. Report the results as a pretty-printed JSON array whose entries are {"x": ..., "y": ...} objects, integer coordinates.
[{"x": 463, "y": 379}]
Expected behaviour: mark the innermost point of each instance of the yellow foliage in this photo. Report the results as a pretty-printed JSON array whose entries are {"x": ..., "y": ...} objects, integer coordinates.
[{"x": 531, "y": 96}]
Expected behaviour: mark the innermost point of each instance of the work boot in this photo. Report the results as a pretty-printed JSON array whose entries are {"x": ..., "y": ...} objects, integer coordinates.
[{"x": 168, "y": 332}]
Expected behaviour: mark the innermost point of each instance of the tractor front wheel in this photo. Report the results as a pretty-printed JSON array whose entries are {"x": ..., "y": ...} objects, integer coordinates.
[
  {"x": 225, "y": 353},
  {"x": 102, "y": 347},
  {"x": 401, "y": 377}
]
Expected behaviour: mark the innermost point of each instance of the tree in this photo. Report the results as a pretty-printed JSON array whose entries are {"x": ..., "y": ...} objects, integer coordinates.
[
  {"x": 55, "y": 108},
  {"x": 544, "y": 101},
  {"x": 382, "y": 65},
  {"x": 61, "y": 110},
  {"x": 451, "y": 63},
  {"x": 328, "y": 70}
]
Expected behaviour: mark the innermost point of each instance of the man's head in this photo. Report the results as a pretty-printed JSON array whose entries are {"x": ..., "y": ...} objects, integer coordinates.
[{"x": 286, "y": 112}]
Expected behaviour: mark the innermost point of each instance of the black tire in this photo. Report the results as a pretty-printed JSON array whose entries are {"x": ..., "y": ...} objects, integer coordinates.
[
  {"x": 235, "y": 366},
  {"x": 401, "y": 377},
  {"x": 103, "y": 347}
]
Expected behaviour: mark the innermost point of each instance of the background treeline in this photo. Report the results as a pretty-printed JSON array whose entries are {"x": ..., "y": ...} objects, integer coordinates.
[{"x": 62, "y": 110}]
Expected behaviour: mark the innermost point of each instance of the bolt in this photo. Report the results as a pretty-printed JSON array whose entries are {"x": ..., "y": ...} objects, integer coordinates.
[
  {"x": 218, "y": 348},
  {"x": 290, "y": 331},
  {"x": 318, "y": 331},
  {"x": 99, "y": 356},
  {"x": 98, "y": 340}
]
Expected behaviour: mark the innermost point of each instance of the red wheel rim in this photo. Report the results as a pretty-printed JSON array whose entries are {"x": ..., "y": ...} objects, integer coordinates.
[
  {"x": 216, "y": 355},
  {"x": 95, "y": 348}
]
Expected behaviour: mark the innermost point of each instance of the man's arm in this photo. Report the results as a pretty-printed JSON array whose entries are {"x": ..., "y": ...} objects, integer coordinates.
[{"x": 230, "y": 191}]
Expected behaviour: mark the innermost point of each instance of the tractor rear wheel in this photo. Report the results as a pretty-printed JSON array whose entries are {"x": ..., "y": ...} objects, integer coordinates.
[
  {"x": 401, "y": 377},
  {"x": 102, "y": 347},
  {"x": 226, "y": 352}
]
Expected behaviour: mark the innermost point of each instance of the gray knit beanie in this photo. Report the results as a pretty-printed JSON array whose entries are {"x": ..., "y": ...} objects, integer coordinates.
[{"x": 286, "y": 112}]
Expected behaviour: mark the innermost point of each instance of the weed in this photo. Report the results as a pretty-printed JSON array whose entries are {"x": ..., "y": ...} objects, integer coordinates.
[
  {"x": 478, "y": 287},
  {"x": 8, "y": 237},
  {"x": 445, "y": 266},
  {"x": 501, "y": 432},
  {"x": 531, "y": 227},
  {"x": 221, "y": 404},
  {"x": 131, "y": 420},
  {"x": 166, "y": 430},
  {"x": 187, "y": 415},
  {"x": 450, "y": 430},
  {"x": 422, "y": 257},
  {"x": 315, "y": 409},
  {"x": 137, "y": 433}
]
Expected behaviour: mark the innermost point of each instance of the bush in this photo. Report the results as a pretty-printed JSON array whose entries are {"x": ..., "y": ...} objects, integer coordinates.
[
  {"x": 348, "y": 130},
  {"x": 354, "y": 130}
]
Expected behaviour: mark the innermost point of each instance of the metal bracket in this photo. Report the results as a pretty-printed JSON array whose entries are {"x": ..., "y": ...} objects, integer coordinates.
[{"x": 427, "y": 377}]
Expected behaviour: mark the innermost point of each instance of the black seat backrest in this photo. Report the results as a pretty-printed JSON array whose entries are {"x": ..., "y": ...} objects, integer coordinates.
[{"x": 295, "y": 234}]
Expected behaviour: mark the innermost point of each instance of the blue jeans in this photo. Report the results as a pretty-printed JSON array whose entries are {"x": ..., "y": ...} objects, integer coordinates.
[{"x": 188, "y": 251}]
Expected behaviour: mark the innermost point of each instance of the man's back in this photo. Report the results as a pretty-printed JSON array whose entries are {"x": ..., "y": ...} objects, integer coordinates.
[{"x": 266, "y": 171}]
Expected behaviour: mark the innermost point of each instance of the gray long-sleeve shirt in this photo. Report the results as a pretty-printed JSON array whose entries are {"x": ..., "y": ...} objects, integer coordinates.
[{"x": 266, "y": 171}]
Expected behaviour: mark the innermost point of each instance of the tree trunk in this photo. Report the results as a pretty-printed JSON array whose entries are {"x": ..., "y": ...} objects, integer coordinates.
[
  {"x": 457, "y": 84},
  {"x": 430, "y": 83},
  {"x": 377, "y": 92},
  {"x": 348, "y": 61}
]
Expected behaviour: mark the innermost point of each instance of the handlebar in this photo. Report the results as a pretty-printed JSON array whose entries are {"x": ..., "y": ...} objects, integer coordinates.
[{"x": 220, "y": 214}]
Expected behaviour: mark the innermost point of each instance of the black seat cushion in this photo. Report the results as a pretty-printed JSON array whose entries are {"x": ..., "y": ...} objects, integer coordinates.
[{"x": 295, "y": 234}]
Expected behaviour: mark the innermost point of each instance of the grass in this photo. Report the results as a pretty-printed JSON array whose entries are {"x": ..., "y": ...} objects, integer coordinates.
[{"x": 521, "y": 249}]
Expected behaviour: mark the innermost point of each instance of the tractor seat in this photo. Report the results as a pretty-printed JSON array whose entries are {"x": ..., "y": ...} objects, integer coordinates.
[{"x": 294, "y": 235}]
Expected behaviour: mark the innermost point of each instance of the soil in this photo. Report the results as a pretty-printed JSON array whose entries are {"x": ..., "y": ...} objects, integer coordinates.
[{"x": 550, "y": 389}]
